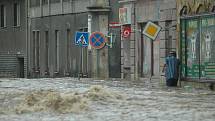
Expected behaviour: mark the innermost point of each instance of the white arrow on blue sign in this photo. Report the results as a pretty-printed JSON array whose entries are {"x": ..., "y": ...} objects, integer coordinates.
[{"x": 82, "y": 39}]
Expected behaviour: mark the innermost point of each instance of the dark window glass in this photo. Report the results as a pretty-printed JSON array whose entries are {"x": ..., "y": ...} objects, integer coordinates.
[
  {"x": 3, "y": 16},
  {"x": 16, "y": 12},
  {"x": 45, "y": 2}
]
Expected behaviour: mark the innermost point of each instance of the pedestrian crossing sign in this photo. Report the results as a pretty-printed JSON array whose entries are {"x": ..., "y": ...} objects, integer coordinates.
[
  {"x": 151, "y": 30},
  {"x": 82, "y": 39}
]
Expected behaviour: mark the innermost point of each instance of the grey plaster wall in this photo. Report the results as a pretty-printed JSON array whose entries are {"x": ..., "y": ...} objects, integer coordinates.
[
  {"x": 12, "y": 39},
  {"x": 161, "y": 12},
  {"x": 68, "y": 15},
  {"x": 62, "y": 23},
  {"x": 115, "y": 51}
]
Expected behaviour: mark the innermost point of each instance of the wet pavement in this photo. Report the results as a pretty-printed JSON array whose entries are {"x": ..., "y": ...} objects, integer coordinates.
[{"x": 141, "y": 101}]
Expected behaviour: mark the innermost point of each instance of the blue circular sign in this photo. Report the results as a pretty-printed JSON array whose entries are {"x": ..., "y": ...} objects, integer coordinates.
[{"x": 97, "y": 40}]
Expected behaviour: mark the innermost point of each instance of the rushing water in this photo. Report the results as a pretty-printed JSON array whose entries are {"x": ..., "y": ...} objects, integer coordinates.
[{"x": 108, "y": 101}]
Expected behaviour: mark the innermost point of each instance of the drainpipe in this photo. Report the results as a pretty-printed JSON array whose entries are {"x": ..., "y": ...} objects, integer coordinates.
[
  {"x": 133, "y": 28},
  {"x": 89, "y": 47},
  {"x": 27, "y": 38}
]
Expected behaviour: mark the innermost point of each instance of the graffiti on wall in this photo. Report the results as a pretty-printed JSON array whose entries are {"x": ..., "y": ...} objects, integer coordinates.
[
  {"x": 197, "y": 45},
  {"x": 208, "y": 43}
]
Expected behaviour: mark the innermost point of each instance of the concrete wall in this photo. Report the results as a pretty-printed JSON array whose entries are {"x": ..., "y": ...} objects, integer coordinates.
[{"x": 12, "y": 39}]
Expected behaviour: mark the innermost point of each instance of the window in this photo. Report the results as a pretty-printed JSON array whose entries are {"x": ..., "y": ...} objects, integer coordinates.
[
  {"x": 45, "y": 2},
  {"x": 57, "y": 59},
  {"x": 168, "y": 36},
  {"x": 67, "y": 47},
  {"x": 47, "y": 49},
  {"x": 3, "y": 16},
  {"x": 16, "y": 13},
  {"x": 36, "y": 50},
  {"x": 34, "y": 3}
]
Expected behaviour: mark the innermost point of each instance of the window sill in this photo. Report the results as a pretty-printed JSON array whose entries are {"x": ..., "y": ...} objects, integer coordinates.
[
  {"x": 18, "y": 26},
  {"x": 3, "y": 27}
]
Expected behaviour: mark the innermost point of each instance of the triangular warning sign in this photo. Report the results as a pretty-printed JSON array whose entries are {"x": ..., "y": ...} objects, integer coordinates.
[{"x": 82, "y": 40}]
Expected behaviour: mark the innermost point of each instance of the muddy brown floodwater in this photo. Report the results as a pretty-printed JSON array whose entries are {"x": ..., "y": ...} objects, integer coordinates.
[{"x": 68, "y": 99}]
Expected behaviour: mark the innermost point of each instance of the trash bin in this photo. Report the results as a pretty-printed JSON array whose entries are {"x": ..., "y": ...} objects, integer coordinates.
[{"x": 172, "y": 69}]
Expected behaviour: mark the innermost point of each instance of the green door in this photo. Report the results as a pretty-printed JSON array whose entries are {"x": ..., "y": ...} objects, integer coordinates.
[
  {"x": 197, "y": 45},
  {"x": 207, "y": 47}
]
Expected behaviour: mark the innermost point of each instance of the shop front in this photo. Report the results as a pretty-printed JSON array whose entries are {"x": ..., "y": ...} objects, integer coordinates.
[{"x": 197, "y": 45}]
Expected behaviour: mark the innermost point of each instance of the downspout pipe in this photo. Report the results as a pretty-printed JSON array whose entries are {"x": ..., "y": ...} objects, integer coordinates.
[{"x": 27, "y": 38}]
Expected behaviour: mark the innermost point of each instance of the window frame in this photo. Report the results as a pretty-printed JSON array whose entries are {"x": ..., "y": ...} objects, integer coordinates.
[
  {"x": 17, "y": 22},
  {"x": 4, "y": 16}
]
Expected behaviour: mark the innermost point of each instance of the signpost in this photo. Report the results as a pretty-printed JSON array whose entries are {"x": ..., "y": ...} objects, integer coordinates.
[
  {"x": 125, "y": 15},
  {"x": 97, "y": 40},
  {"x": 151, "y": 30},
  {"x": 109, "y": 41},
  {"x": 82, "y": 39},
  {"x": 126, "y": 32},
  {"x": 114, "y": 25}
]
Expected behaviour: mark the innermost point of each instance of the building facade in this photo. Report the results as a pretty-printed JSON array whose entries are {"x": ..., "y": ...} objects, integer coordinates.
[
  {"x": 13, "y": 38},
  {"x": 141, "y": 56},
  {"x": 52, "y": 28},
  {"x": 38, "y": 38}
]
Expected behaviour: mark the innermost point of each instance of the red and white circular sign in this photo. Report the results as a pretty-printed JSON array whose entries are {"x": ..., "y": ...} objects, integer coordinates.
[{"x": 126, "y": 32}]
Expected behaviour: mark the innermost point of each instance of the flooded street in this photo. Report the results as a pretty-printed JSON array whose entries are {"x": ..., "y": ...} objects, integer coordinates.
[{"x": 69, "y": 99}]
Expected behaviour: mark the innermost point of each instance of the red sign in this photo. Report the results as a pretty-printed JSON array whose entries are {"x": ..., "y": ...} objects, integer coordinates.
[
  {"x": 126, "y": 32},
  {"x": 114, "y": 25},
  {"x": 97, "y": 40}
]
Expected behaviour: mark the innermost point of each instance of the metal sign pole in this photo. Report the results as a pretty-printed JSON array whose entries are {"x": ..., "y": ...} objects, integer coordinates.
[
  {"x": 80, "y": 65},
  {"x": 81, "y": 40}
]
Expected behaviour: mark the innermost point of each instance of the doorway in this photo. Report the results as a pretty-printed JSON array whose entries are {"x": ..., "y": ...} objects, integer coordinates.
[{"x": 20, "y": 69}]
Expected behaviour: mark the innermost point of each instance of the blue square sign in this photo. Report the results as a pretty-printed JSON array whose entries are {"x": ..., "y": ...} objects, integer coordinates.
[{"x": 82, "y": 39}]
